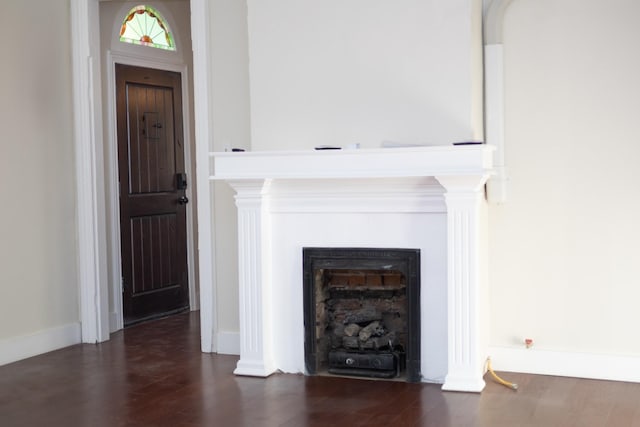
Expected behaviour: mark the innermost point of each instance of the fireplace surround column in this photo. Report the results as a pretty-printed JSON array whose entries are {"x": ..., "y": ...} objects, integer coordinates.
[
  {"x": 464, "y": 196},
  {"x": 253, "y": 265}
]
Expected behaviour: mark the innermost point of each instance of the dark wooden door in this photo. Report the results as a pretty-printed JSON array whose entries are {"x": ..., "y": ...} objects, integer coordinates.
[{"x": 152, "y": 193}]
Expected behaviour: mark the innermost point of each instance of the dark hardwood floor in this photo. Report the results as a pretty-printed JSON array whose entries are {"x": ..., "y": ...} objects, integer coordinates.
[{"x": 154, "y": 374}]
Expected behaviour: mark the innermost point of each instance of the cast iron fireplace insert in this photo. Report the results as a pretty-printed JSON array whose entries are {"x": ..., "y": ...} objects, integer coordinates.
[{"x": 373, "y": 357}]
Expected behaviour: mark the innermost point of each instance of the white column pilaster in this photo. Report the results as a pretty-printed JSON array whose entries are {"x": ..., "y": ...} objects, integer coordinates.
[
  {"x": 253, "y": 271},
  {"x": 464, "y": 245}
]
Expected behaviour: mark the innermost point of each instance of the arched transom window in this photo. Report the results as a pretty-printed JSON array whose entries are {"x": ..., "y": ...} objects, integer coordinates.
[{"x": 143, "y": 25}]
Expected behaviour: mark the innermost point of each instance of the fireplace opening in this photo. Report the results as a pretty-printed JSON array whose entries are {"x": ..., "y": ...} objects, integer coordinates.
[{"x": 362, "y": 311}]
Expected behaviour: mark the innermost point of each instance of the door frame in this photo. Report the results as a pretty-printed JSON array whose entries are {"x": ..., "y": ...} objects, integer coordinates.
[
  {"x": 116, "y": 321},
  {"x": 92, "y": 268}
]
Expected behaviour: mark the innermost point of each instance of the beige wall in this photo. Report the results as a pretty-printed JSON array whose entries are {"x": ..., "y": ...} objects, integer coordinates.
[
  {"x": 565, "y": 248},
  {"x": 38, "y": 286}
]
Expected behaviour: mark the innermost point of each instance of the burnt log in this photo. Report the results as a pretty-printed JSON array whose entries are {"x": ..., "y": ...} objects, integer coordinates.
[
  {"x": 389, "y": 340},
  {"x": 373, "y": 329},
  {"x": 351, "y": 342},
  {"x": 376, "y": 343},
  {"x": 365, "y": 315},
  {"x": 352, "y": 329}
]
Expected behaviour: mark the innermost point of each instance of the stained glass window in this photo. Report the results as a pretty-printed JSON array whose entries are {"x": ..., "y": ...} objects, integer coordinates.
[{"x": 145, "y": 26}]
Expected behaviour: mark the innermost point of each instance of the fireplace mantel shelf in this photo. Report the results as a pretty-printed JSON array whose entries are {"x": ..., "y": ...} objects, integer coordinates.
[
  {"x": 389, "y": 197},
  {"x": 360, "y": 163}
]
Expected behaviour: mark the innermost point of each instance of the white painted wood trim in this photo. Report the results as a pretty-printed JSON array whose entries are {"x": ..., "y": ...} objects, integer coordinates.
[
  {"x": 566, "y": 364},
  {"x": 366, "y": 163},
  {"x": 268, "y": 182},
  {"x": 200, "y": 39},
  {"x": 22, "y": 347},
  {"x": 254, "y": 276},
  {"x": 91, "y": 234},
  {"x": 391, "y": 195},
  {"x": 464, "y": 253},
  {"x": 113, "y": 195},
  {"x": 494, "y": 96},
  {"x": 229, "y": 343},
  {"x": 494, "y": 21},
  {"x": 494, "y": 120}
]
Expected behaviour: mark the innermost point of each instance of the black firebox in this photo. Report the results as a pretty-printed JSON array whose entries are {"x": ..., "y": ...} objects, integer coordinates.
[{"x": 362, "y": 312}]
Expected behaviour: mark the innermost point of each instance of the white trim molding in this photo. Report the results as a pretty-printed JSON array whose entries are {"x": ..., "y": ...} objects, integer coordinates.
[
  {"x": 494, "y": 21},
  {"x": 566, "y": 364},
  {"x": 494, "y": 97},
  {"x": 202, "y": 98},
  {"x": 22, "y": 347},
  {"x": 113, "y": 199},
  {"x": 494, "y": 120},
  {"x": 92, "y": 267}
]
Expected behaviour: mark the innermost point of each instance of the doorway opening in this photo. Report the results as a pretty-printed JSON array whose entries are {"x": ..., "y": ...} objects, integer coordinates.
[{"x": 99, "y": 267}]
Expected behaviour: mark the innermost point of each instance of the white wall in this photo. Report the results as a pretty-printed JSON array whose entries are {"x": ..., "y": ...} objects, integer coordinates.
[
  {"x": 38, "y": 288},
  {"x": 565, "y": 248},
  {"x": 363, "y": 71},
  {"x": 231, "y": 128}
]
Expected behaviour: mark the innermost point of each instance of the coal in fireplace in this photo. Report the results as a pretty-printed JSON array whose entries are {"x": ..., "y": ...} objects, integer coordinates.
[{"x": 362, "y": 312}]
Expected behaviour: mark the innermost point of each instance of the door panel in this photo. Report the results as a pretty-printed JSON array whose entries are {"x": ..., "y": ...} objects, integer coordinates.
[
  {"x": 152, "y": 154},
  {"x": 154, "y": 251},
  {"x": 152, "y": 221}
]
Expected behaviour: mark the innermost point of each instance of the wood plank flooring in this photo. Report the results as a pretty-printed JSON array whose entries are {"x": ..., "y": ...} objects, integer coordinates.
[{"x": 154, "y": 374}]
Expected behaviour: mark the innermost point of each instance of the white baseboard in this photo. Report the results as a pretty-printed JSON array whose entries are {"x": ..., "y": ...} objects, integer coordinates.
[
  {"x": 22, "y": 347},
  {"x": 228, "y": 343},
  {"x": 565, "y": 364}
]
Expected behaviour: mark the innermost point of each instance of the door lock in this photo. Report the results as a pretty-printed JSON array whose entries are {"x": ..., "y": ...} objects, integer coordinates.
[
  {"x": 183, "y": 200},
  {"x": 181, "y": 181}
]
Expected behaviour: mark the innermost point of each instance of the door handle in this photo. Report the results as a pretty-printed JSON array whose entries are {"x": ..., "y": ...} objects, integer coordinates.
[{"x": 183, "y": 200}]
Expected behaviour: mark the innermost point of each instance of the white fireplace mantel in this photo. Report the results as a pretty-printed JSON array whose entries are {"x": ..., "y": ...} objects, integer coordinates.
[
  {"x": 331, "y": 198},
  {"x": 464, "y": 160}
]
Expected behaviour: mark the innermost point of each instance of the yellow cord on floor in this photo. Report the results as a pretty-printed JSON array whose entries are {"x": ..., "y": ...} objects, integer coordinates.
[{"x": 495, "y": 376}]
